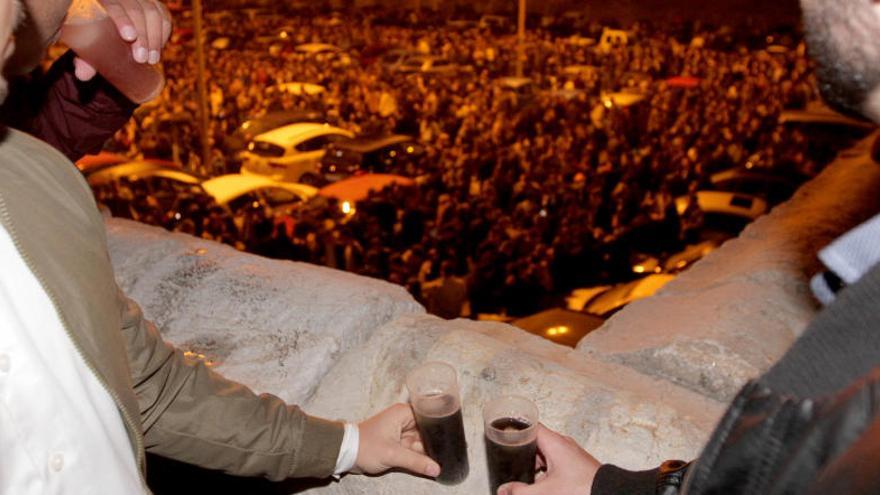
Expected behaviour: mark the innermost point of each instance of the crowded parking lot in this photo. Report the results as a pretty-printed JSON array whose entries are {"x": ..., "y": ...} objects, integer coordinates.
[{"x": 620, "y": 143}]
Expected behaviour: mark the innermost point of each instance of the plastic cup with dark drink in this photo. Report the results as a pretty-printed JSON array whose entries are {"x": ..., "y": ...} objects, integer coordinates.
[
  {"x": 90, "y": 32},
  {"x": 511, "y": 435},
  {"x": 433, "y": 394}
]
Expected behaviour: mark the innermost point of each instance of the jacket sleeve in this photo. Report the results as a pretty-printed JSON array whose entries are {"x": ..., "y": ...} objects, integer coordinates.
[
  {"x": 612, "y": 480},
  {"x": 192, "y": 414},
  {"x": 75, "y": 117}
]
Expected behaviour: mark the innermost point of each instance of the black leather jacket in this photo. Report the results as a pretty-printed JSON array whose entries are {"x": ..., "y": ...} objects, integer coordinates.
[{"x": 810, "y": 425}]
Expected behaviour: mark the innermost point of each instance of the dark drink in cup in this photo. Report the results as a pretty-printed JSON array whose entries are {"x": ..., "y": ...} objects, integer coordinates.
[
  {"x": 433, "y": 391},
  {"x": 511, "y": 440},
  {"x": 443, "y": 438},
  {"x": 510, "y": 462}
]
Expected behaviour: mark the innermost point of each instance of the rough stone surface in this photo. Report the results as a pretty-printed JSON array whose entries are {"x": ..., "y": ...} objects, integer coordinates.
[
  {"x": 617, "y": 414},
  {"x": 276, "y": 326},
  {"x": 734, "y": 313}
]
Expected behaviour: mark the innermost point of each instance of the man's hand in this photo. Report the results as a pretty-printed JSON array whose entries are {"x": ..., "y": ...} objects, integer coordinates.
[
  {"x": 390, "y": 440},
  {"x": 570, "y": 469},
  {"x": 146, "y": 24}
]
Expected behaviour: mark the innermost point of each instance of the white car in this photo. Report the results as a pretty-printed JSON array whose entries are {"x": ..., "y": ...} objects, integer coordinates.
[
  {"x": 427, "y": 64},
  {"x": 604, "y": 301},
  {"x": 240, "y": 192},
  {"x": 291, "y": 153}
]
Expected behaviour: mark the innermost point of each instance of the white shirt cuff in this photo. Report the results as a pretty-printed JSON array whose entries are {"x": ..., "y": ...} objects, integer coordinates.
[{"x": 348, "y": 451}]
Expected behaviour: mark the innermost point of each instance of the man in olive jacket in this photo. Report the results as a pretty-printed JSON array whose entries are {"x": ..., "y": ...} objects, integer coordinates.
[{"x": 86, "y": 383}]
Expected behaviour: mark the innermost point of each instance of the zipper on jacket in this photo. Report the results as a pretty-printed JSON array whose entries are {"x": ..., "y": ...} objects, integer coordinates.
[{"x": 129, "y": 422}]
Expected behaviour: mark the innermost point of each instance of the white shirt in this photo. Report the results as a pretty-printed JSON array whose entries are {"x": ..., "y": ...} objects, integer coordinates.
[
  {"x": 849, "y": 257},
  {"x": 60, "y": 430}
]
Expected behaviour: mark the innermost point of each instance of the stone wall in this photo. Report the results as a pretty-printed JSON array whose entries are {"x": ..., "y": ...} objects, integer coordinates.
[{"x": 641, "y": 389}]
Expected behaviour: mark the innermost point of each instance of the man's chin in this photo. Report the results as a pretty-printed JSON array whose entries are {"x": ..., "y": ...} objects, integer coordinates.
[{"x": 24, "y": 60}]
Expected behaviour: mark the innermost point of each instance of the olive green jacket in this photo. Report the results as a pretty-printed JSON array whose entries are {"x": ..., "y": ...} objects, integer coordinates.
[{"x": 171, "y": 405}]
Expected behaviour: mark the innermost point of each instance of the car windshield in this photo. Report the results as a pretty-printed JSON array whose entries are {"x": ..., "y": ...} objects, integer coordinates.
[
  {"x": 263, "y": 148},
  {"x": 277, "y": 196}
]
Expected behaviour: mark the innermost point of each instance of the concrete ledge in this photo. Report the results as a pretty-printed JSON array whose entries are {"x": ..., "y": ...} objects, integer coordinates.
[
  {"x": 617, "y": 414},
  {"x": 276, "y": 326},
  {"x": 734, "y": 313}
]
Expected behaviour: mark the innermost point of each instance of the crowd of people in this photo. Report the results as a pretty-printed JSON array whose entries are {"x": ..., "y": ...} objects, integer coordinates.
[{"x": 522, "y": 194}]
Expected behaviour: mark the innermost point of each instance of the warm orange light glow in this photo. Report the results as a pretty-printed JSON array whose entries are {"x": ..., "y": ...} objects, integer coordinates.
[{"x": 558, "y": 330}]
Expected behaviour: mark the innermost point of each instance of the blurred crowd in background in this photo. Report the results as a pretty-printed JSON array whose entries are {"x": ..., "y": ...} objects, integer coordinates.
[{"x": 524, "y": 191}]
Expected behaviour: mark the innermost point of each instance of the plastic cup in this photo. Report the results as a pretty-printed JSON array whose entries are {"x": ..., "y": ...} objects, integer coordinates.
[
  {"x": 91, "y": 33},
  {"x": 511, "y": 435},
  {"x": 433, "y": 395}
]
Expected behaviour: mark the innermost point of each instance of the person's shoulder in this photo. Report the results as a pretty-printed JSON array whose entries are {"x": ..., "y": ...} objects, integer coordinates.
[
  {"x": 34, "y": 148},
  {"x": 27, "y": 161}
]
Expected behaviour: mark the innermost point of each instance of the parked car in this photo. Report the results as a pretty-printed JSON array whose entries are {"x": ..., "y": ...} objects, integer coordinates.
[
  {"x": 678, "y": 262},
  {"x": 239, "y": 192},
  {"x": 358, "y": 188},
  {"x": 394, "y": 153},
  {"x": 497, "y": 24},
  {"x": 137, "y": 170},
  {"x": 427, "y": 64},
  {"x": 273, "y": 120},
  {"x": 291, "y": 153},
  {"x": 391, "y": 59},
  {"x": 725, "y": 213},
  {"x": 103, "y": 159},
  {"x": 164, "y": 183},
  {"x": 604, "y": 301},
  {"x": 300, "y": 88},
  {"x": 774, "y": 188},
  {"x": 523, "y": 87},
  {"x": 317, "y": 48},
  {"x": 562, "y": 326}
]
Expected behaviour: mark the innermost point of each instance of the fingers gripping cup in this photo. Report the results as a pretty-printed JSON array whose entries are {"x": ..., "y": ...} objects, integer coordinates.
[
  {"x": 433, "y": 394},
  {"x": 511, "y": 440},
  {"x": 91, "y": 34}
]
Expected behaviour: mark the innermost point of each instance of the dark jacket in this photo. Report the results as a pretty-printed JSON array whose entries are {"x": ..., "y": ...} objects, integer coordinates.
[
  {"x": 809, "y": 424},
  {"x": 76, "y": 118}
]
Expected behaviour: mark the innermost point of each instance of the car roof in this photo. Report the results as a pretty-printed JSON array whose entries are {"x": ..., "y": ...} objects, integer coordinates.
[
  {"x": 225, "y": 188},
  {"x": 317, "y": 48},
  {"x": 102, "y": 159},
  {"x": 623, "y": 99},
  {"x": 827, "y": 117},
  {"x": 301, "y": 88},
  {"x": 302, "y": 130},
  {"x": 358, "y": 187},
  {"x": 141, "y": 169},
  {"x": 751, "y": 175},
  {"x": 562, "y": 326},
  {"x": 368, "y": 144},
  {"x": 514, "y": 82},
  {"x": 273, "y": 120},
  {"x": 623, "y": 294},
  {"x": 723, "y": 202}
]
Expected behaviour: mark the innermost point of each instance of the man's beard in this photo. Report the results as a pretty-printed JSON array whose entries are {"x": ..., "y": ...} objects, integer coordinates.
[
  {"x": 848, "y": 69},
  {"x": 4, "y": 89}
]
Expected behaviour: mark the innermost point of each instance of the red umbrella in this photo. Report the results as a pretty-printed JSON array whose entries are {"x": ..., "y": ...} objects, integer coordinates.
[
  {"x": 359, "y": 187},
  {"x": 683, "y": 82}
]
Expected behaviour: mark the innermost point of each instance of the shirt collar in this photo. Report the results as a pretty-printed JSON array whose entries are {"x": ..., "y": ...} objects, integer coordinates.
[{"x": 854, "y": 254}]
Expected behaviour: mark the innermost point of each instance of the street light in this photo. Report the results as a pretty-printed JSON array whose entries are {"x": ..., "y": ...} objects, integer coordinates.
[
  {"x": 521, "y": 36},
  {"x": 203, "y": 85}
]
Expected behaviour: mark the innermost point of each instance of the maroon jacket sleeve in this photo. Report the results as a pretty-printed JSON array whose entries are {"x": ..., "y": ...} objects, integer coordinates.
[{"x": 75, "y": 117}]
